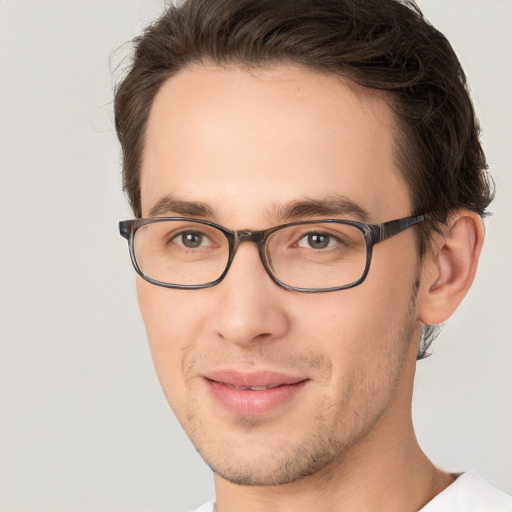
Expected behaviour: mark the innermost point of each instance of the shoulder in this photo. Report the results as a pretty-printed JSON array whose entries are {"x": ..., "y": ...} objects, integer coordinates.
[
  {"x": 207, "y": 507},
  {"x": 470, "y": 493}
]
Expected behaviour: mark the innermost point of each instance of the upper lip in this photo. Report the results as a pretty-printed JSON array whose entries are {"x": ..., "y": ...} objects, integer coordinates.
[{"x": 253, "y": 379}]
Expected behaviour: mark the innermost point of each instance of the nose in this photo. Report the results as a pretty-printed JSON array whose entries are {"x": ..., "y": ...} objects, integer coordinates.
[{"x": 250, "y": 306}]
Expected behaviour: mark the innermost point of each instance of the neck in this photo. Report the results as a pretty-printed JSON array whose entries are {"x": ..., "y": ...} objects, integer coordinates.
[{"x": 386, "y": 470}]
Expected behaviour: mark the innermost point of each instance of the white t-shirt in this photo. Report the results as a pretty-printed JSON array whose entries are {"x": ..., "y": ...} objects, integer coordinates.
[{"x": 469, "y": 493}]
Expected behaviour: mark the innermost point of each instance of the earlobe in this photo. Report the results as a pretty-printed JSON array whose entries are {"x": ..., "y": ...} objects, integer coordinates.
[{"x": 449, "y": 269}]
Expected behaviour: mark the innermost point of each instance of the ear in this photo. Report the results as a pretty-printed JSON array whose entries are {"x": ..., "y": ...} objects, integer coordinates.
[{"x": 448, "y": 270}]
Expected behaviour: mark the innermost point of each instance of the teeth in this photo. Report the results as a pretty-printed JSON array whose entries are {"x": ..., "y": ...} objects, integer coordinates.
[{"x": 251, "y": 388}]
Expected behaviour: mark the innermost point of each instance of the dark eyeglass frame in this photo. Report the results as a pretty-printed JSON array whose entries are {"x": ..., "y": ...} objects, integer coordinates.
[{"x": 372, "y": 233}]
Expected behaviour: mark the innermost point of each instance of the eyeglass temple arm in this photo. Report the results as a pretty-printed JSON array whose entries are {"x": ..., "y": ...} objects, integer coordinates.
[{"x": 393, "y": 227}]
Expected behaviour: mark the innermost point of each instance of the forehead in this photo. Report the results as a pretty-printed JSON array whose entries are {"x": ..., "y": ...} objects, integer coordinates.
[{"x": 249, "y": 141}]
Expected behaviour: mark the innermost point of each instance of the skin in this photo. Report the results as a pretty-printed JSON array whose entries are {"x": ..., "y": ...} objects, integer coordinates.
[{"x": 245, "y": 144}]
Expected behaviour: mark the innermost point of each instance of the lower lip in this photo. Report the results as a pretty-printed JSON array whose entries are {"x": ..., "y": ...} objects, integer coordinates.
[{"x": 245, "y": 402}]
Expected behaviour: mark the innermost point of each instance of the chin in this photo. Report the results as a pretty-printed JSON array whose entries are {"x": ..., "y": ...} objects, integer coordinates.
[{"x": 260, "y": 463}]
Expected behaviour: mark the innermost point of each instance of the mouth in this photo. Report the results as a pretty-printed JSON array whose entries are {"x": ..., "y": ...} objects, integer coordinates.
[{"x": 253, "y": 393}]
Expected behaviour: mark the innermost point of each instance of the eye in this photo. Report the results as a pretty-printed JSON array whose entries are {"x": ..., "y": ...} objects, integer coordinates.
[
  {"x": 190, "y": 239},
  {"x": 317, "y": 241}
]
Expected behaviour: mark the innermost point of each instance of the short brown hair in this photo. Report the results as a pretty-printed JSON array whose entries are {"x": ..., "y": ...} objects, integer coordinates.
[{"x": 379, "y": 44}]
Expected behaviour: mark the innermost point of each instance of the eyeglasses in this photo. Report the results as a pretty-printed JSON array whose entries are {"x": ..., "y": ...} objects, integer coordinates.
[{"x": 306, "y": 256}]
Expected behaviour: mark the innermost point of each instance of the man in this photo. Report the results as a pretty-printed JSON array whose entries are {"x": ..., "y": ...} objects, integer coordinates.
[{"x": 309, "y": 190}]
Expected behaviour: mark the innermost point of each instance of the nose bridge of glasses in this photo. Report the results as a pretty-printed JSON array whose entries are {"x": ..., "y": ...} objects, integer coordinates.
[{"x": 246, "y": 235}]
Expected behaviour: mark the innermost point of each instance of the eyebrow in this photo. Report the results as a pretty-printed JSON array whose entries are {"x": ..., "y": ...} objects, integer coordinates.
[
  {"x": 169, "y": 205},
  {"x": 331, "y": 206}
]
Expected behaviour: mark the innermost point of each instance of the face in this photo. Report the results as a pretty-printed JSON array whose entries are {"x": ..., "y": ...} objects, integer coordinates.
[{"x": 273, "y": 385}]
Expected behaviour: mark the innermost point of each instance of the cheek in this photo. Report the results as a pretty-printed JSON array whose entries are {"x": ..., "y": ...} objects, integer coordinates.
[
  {"x": 363, "y": 326},
  {"x": 368, "y": 342},
  {"x": 170, "y": 316},
  {"x": 173, "y": 326}
]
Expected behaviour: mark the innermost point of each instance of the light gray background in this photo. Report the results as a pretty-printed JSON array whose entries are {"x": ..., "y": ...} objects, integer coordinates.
[{"x": 83, "y": 423}]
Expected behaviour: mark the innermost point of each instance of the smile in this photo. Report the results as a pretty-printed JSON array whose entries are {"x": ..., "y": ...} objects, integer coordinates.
[{"x": 253, "y": 394}]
